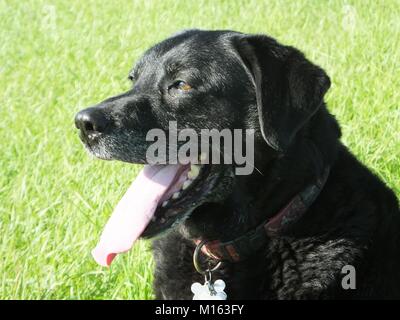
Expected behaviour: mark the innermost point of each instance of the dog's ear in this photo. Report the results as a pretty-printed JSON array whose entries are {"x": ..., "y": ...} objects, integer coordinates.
[{"x": 289, "y": 88}]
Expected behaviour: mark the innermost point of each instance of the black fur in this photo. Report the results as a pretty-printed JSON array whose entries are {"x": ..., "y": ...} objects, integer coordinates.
[{"x": 246, "y": 81}]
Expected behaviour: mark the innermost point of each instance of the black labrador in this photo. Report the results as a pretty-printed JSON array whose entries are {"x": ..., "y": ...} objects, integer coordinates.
[{"x": 310, "y": 222}]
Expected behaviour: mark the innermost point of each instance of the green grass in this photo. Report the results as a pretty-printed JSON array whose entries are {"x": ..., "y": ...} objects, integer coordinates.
[{"x": 58, "y": 57}]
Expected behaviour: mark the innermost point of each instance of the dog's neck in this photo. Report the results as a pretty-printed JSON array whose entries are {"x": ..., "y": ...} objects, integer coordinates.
[{"x": 262, "y": 194}]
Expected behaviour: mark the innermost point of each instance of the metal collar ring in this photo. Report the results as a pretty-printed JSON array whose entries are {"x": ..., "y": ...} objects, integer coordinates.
[{"x": 196, "y": 262}]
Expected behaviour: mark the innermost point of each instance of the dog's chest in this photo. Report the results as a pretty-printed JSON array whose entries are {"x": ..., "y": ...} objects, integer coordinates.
[{"x": 175, "y": 274}]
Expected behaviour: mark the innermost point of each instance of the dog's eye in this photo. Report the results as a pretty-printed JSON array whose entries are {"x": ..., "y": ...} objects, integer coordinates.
[{"x": 180, "y": 85}]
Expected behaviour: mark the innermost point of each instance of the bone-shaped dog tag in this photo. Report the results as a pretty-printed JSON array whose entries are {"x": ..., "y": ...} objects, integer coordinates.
[{"x": 209, "y": 290}]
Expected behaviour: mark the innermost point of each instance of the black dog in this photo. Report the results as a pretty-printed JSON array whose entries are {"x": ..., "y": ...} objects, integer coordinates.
[{"x": 288, "y": 230}]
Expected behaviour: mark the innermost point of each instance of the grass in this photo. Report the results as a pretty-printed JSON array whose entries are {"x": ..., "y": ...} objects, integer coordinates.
[{"x": 57, "y": 57}]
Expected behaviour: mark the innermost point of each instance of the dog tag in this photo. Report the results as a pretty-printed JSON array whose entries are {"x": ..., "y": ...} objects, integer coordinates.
[{"x": 209, "y": 290}]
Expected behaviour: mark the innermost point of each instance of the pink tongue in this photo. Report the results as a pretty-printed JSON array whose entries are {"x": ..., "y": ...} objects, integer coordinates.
[{"x": 134, "y": 212}]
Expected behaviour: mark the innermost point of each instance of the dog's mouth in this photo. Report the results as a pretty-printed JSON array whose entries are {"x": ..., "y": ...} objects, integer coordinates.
[
  {"x": 189, "y": 188},
  {"x": 162, "y": 196}
]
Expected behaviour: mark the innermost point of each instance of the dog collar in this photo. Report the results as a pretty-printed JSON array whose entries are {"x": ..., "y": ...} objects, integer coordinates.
[{"x": 244, "y": 246}]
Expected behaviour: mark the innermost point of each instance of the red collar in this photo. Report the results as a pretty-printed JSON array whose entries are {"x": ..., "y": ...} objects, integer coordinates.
[{"x": 244, "y": 246}]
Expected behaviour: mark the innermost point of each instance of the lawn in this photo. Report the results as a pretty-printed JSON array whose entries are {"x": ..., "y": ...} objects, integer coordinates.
[{"x": 57, "y": 57}]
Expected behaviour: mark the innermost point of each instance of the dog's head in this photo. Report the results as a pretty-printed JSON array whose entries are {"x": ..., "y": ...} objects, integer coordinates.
[{"x": 206, "y": 80}]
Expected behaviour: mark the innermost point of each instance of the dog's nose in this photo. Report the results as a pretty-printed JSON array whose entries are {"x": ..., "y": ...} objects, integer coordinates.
[{"x": 91, "y": 120}]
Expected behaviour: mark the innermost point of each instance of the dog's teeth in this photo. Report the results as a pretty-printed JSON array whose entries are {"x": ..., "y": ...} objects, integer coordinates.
[
  {"x": 186, "y": 184},
  {"x": 164, "y": 204},
  {"x": 162, "y": 220},
  {"x": 175, "y": 195},
  {"x": 194, "y": 171},
  {"x": 203, "y": 157}
]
